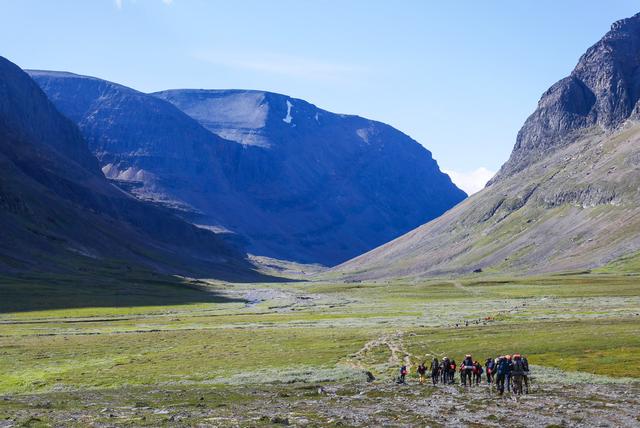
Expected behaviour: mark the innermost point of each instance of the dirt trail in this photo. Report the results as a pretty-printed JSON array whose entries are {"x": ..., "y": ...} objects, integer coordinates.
[
  {"x": 457, "y": 284},
  {"x": 392, "y": 341}
]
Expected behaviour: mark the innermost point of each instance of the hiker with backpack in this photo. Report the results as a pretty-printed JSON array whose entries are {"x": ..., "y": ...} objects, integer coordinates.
[
  {"x": 403, "y": 374},
  {"x": 435, "y": 371},
  {"x": 477, "y": 372},
  {"x": 422, "y": 371},
  {"x": 525, "y": 377},
  {"x": 452, "y": 371},
  {"x": 503, "y": 369},
  {"x": 490, "y": 366},
  {"x": 466, "y": 370},
  {"x": 508, "y": 379},
  {"x": 517, "y": 374},
  {"x": 444, "y": 370}
]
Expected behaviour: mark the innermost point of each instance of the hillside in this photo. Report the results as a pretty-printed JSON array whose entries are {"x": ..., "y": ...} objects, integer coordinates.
[
  {"x": 289, "y": 180},
  {"x": 567, "y": 198},
  {"x": 60, "y": 214}
]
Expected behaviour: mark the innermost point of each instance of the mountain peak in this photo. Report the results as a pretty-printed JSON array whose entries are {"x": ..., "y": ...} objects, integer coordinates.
[
  {"x": 625, "y": 24},
  {"x": 602, "y": 92}
]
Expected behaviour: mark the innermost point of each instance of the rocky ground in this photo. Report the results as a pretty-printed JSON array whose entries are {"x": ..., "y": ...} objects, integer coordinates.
[{"x": 361, "y": 405}]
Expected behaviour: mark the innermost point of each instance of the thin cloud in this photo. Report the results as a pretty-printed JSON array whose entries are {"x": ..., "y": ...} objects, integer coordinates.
[
  {"x": 119, "y": 3},
  {"x": 471, "y": 181},
  {"x": 284, "y": 65}
]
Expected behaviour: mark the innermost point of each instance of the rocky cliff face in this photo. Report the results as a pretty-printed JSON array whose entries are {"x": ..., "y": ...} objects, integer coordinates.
[
  {"x": 603, "y": 91},
  {"x": 568, "y": 196},
  {"x": 58, "y": 212},
  {"x": 293, "y": 181}
]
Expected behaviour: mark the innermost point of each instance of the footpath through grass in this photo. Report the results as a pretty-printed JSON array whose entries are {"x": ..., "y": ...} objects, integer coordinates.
[{"x": 312, "y": 331}]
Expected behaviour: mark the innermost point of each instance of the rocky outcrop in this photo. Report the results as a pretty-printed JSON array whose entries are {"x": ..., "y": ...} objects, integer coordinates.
[{"x": 602, "y": 91}]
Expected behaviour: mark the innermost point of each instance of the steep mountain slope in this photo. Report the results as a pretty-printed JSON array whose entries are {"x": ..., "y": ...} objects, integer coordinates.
[
  {"x": 568, "y": 197},
  {"x": 141, "y": 142},
  {"x": 293, "y": 181},
  {"x": 59, "y": 213},
  {"x": 333, "y": 185}
]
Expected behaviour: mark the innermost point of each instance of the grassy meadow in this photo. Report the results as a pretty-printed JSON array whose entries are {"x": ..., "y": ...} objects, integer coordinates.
[{"x": 162, "y": 333}]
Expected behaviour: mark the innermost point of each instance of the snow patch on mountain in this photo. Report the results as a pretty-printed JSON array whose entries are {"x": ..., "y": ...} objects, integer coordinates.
[
  {"x": 364, "y": 133},
  {"x": 288, "y": 118}
]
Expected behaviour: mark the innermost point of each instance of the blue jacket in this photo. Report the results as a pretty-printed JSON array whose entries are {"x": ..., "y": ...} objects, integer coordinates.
[{"x": 504, "y": 367}]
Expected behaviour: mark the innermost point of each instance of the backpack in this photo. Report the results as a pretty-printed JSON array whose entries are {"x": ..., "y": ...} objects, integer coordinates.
[{"x": 518, "y": 366}]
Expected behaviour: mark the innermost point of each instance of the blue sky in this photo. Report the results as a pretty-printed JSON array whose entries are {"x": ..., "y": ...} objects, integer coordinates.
[{"x": 459, "y": 77}]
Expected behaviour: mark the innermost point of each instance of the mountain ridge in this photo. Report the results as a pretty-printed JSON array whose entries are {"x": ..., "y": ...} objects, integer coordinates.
[
  {"x": 60, "y": 214},
  {"x": 290, "y": 180}
]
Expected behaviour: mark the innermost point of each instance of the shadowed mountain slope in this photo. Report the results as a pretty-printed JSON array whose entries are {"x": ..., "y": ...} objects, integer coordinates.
[
  {"x": 290, "y": 180},
  {"x": 60, "y": 214}
]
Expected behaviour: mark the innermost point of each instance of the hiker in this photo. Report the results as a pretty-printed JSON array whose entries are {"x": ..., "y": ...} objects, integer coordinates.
[
  {"x": 503, "y": 368},
  {"x": 517, "y": 373},
  {"x": 435, "y": 371},
  {"x": 489, "y": 366},
  {"x": 403, "y": 374},
  {"x": 452, "y": 371},
  {"x": 508, "y": 376},
  {"x": 444, "y": 370},
  {"x": 466, "y": 370},
  {"x": 525, "y": 377},
  {"x": 422, "y": 371},
  {"x": 477, "y": 372}
]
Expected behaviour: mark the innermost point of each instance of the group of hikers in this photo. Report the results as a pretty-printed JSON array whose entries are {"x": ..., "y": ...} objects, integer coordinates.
[{"x": 506, "y": 371}]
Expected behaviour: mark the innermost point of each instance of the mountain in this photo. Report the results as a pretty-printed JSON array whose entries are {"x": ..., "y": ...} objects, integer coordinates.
[
  {"x": 568, "y": 196},
  {"x": 289, "y": 180},
  {"x": 60, "y": 214}
]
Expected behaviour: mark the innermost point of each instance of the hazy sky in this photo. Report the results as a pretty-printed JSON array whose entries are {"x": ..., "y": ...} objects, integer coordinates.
[{"x": 460, "y": 77}]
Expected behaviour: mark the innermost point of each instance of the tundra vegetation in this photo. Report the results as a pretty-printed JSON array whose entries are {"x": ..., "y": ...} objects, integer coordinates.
[{"x": 148, "y": 350}]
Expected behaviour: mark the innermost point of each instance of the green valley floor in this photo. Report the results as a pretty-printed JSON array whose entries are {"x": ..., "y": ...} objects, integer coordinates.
[{"x": 157, "y": 351}]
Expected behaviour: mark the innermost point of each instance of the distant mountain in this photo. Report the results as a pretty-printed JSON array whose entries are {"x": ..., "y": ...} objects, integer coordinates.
[
  {"x": 290, "y": 180},
  {"x": 568, "y": 197},
  {"x": 59, "y": 213}
]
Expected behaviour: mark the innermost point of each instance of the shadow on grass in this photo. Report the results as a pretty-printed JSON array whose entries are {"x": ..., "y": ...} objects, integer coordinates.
[{"x": 21, "y": 293}]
